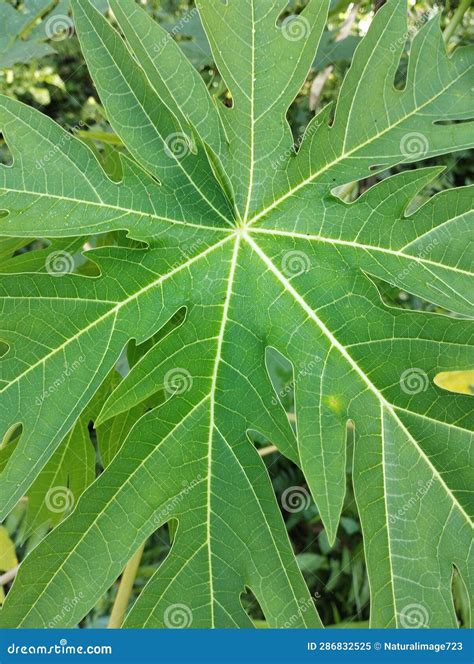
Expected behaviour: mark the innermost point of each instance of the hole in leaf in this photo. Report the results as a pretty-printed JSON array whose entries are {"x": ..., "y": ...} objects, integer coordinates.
[
  {"x": 136, "y": 351},
  {"x": 156, "y": 551},
  {"x": 400, "y": 79},
  {"x": 6, "y": 157},
  {"x": 281, "y": 374},
  {"x": 460, "y": 598},
  {"x": 447, "y": 123},
  {"x": 3, "y": 348},
  {"x": 252, "y": 608},
  {"x": 12, "y": 435},
  {"x": 9, "y": 443},
  {"x": 376, "y": 167},
  {"x": 111, "y": 163}
]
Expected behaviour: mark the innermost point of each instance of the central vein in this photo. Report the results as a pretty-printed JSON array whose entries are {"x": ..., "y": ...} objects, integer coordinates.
[{"x": 212, "y": 424}]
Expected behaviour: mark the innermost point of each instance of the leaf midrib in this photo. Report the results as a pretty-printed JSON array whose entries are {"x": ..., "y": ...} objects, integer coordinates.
[
  {"x": 357, "y": 245},
  {"x": 252, "y": 119},
  {"x": 114, "y": 310},
  {"x": 385, "y": 513},
  {"x": 344, "y": 352},
  {"x": 163, "y": 140},
  {"x": 112, "y": 207},
  {"x": 344, "y": 155},
  {"x": 109, "y": 502},
  {"x": 212, "y": 424}
]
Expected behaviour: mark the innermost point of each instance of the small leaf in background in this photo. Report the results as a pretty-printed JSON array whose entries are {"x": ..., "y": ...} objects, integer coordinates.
[{"x": 461, "y": 382}]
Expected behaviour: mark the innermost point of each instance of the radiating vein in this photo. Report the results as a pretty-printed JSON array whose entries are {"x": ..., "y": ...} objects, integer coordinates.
[
  {"x": 343, "y": 351},
  {"x": 114, "y": 310}
]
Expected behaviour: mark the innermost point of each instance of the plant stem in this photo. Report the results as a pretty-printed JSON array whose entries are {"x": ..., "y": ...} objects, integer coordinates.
[
  {"x": 455, "y": 20},
  {"x": 7, "y": 577},
  {"x": 270, "y": 449},
  {"x": 125, "y": 590}
]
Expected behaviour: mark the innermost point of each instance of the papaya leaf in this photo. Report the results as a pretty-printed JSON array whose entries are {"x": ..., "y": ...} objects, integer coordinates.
[{"x": 246, "y": 236}]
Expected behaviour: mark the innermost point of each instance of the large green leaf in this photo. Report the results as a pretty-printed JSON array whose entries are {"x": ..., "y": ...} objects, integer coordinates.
[{"x": 249, "y": 239}]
